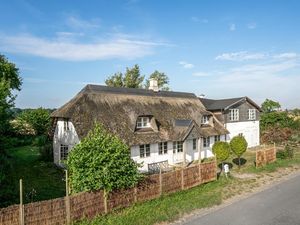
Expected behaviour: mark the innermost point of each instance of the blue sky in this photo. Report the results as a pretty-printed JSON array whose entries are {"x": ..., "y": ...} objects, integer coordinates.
[{"x": 218, "y": 48}]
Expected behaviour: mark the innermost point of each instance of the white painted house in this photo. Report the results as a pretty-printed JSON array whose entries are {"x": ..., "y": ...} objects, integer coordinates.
[
  {"x": 161, "y": 127},
  {"x": 240, "y": 116}
]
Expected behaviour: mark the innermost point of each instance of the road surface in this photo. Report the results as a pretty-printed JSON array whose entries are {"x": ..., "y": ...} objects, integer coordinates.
[{"x": 275, "y": 206}]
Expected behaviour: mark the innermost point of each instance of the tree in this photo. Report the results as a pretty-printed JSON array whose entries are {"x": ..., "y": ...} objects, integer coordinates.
[
  {"x": 238, "y": 145},
  {"x": 131, "y": 79},
  {"x": 38, "y": 119},
  {"x": 221, "y": 150},
  {"x": 162, "y": 79},
  {"x": 101, "y": 161},
  {"x": 270, "y": 106},
  {"x": 9, "y": 82},
  {"x": 276, "y": 119}
]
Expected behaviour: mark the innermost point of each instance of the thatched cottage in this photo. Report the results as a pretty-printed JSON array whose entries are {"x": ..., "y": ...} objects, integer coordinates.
[{"x": 161, "y": 127}]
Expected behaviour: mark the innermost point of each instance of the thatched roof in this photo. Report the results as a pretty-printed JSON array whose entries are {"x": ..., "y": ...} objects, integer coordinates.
[{"x": 118, "y": 109}]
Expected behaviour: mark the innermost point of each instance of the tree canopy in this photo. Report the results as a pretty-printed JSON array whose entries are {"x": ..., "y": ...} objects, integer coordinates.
[
  {"x": 101, "y": 161},
  {"x": 270, "y": 106},
  {"x": 238, "y": 146},
  {"x": 221, "y": 150},
  {"x": 132, "y": 78}
]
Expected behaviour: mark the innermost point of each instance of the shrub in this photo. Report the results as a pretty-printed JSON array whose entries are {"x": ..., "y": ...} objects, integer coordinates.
[
  {"x": 238, "y": 145},
  {"x": 101, "y": 161},
  {"x": 221, "y": 150},
  {"x": 288, "y": 152}
]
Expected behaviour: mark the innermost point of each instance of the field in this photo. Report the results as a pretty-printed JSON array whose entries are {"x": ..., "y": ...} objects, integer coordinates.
[{"x": 41, "y": 180}]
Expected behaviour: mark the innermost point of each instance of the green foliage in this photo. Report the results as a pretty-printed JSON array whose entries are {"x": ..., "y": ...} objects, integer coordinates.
[
  {"x": 221, "y": 150},
  {"x": 287, "y": 153},
  {"x": 270, "y": 106},
  {"x": 276, "y": 119},
  {"x": 161, "y": 78},
  {"x": 131, "y": 79},
  {"x": 238, "y": 145},
  {"x": 37, "y": 119},
  {"x": 101, "y": 161}
]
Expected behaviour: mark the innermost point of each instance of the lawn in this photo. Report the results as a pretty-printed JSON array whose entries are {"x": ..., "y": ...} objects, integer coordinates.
[{"x": 41, "y": 180}]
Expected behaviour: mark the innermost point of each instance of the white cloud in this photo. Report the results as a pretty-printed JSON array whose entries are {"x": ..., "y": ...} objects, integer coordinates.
[
  {"x": 251, "y": 26},
  {"x": 126, "y": 47},
  {"x": 78, "y": 23},
  {"x": 232, "y": 27},
  {"x": 200, "y": 74},
  {"x": 240, "y": 56},
  {"x": 186, "y": 65},
  {"x": 287, "y": 55}
]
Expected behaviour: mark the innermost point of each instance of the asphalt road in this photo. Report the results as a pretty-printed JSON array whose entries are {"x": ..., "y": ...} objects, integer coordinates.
[{"x": 275, "y": 206}]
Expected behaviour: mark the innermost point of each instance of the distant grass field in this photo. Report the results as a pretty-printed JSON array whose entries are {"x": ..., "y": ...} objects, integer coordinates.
[{"x": 41, "y": 180}]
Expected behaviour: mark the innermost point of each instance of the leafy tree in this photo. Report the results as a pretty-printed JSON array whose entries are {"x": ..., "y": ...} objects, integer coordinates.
[
  {"x": 276, "y": 119},
  {"x": 9, "y": 82},
  {"x": 38, "y": 119},
  {"x": 162, "y": 79},
  {"x": 221, "y": 150},
  {"x": 270, "y": 106},
  {"x": 238, "y": 145},
  {"x": 131, "y": 79},
  {"x": 101, "y": 161}
]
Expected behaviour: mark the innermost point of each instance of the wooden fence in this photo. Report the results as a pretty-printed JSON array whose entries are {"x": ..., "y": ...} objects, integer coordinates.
[
  {"x": 265, "y": 156},
  {"x": 89, "y": 204}
]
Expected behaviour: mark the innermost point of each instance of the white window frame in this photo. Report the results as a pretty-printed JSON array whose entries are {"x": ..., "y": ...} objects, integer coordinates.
[
  {"x": 206, "y": 142},
  {"x": 145, "y": 151},
  {"x": 194, "y": 144},
  {"x": 63, "y": 152},
  {"x": 177, "y": 146},
  {"x": 205, "y": 119},
  {"x": 234, "y": 114},
  {"x": 251, "y": 114},
  {"x": 143, "y": 122},
  {"x": 163, "y": 148},
  {"x": 217, "y": 138}
]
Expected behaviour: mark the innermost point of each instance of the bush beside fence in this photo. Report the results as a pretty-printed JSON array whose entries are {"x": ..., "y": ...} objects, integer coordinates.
[{"x": 89, "y": 204}]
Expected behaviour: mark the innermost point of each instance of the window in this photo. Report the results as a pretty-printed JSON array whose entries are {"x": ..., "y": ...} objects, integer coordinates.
[
  {"x": 144, "y": 150},
  {"x": 143, "y": 122},
  {"x": 205, "y": 119},
  {"x": 177, "y": 146},
  {"x": 251, "y": 114},
  {"x": 163, "y": 148},
  {"x": 64, "y": 150},
  {"x": 194, "y": 144},
  {"x": 217, "y": 138},
  {"x": 66, "y": 125},
  {"x": 234, "y": 114},
  {"x": 206, "y": 142}
]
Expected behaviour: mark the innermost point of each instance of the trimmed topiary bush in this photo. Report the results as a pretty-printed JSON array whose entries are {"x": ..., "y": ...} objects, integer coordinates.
[
  {"x": 238, "y": 146},
  {"x": 221, "y": 150}
]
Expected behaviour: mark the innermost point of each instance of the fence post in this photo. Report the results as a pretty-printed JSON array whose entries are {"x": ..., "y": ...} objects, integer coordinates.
[
  {"x": 67, "y": 200},
  {"x": 135, "y": 193},
  {"x": 105, "y": 201},
  {"x": 182, "y": 180},
  {"x": 160, "y": 182},
  {"x": 21, "y": 203}
]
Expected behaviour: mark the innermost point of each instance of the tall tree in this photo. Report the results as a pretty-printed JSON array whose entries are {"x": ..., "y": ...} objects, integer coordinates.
[
  {"x": 131, "y": 79},
  {"x": 270, "y": 106},
  {"x": 162, "y": 79}
]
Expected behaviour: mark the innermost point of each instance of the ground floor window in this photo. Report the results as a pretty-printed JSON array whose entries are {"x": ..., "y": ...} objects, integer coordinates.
[
  {"x": 162, "y": 148},
  {"x": 144, "y": 150},
  {"x": 217, "y": 138},
  {"x": 206, "y": 142},
  {"x": 64, "y": 150},
  {"x": 194, "y": 144},
  {"x": 177, "y": 146}
]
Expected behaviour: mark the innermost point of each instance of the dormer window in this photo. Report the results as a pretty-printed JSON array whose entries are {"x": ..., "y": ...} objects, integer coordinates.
[
  {"x": 143, "y": 122},
  {"x": 205, "y": 119},
  {"x": 66, "y": 125}
]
